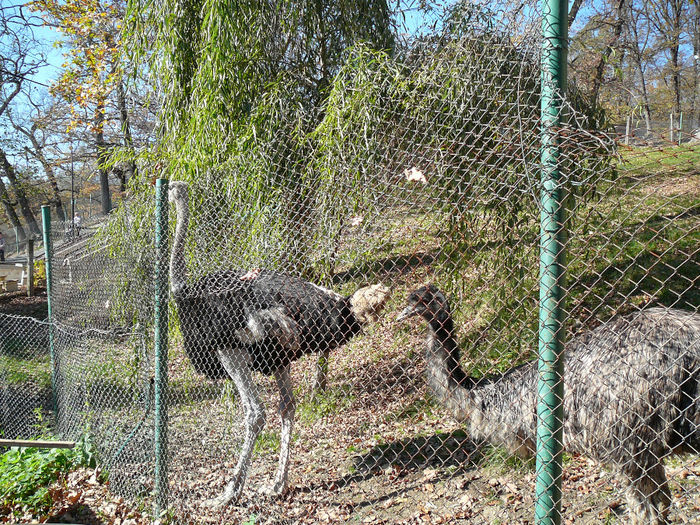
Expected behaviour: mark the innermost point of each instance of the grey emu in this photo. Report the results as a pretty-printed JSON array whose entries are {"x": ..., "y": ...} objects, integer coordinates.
[
  {"x": 632, "y": 395},
  {"x": 235, "y": 322}
]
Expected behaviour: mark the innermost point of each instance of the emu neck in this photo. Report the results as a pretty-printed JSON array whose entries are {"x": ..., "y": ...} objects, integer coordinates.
[
  {"x": 178, "y": 276},
  {"x": 446, "y": 378},
  {"x": 487, "y": 407}
]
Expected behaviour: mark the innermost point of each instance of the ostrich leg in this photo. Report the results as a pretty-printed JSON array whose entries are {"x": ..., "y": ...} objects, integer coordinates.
[
  {"x": 287, "y": 408},
  {"x": 237, "y": 366}
]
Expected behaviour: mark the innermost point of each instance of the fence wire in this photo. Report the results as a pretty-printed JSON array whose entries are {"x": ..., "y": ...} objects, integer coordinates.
[{"x": 306, "y": 271}]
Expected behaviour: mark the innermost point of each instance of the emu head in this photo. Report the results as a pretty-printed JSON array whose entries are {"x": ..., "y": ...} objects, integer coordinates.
[
  {"x": 367, "y": 302},
  {"x": 177, "y": 191},
  {"x": 428, "y": 302}
]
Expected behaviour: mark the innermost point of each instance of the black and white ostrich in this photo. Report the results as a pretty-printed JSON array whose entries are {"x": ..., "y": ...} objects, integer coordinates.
[
  {"x": 235, "y": 322},
  {"x": 632, "y": 395}
]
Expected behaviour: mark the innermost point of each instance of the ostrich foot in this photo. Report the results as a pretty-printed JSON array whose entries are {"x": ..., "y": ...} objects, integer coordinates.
[{"x": 230, "y": 495}]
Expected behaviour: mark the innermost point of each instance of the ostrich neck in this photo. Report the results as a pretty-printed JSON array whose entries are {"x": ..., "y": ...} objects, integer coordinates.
[{"x": 178, "y": 275}]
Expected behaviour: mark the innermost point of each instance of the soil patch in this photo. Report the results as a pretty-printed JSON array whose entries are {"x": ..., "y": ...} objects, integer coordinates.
[{"x": 17, "y": 303}]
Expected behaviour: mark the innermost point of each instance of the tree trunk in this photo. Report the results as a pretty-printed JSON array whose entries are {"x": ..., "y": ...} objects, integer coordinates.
[
  {"x": 695, "y": 98},
  {"x": 48, "y": 170},
  {"x": 646, "y": 111},
  {"x": 10, "y": 212},
  {"x": 617, "y": 26},
  {"x": 676, "y": 78},
  {"x": 22, "y": 200},
  {"x": 696, "y": 66},
  {"x": 126, "y": 130},
  {"x": 101, "y": 159},
  {"x": 56, "y": 201},
  {"x": 574, "y": 11},
  {"x": 676, "y": 29}
]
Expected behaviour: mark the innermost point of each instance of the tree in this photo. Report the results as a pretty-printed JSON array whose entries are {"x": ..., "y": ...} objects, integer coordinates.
[
  {"x": 637, "y": 40},
  {"x": 617, "y": 23},
  {"x": 669, "y": 16},
  {"x": 93, "y": 77},
  {"x": 20, "y": 58},
  {"x": 215, "y": 60},
  {"x": 34, "y": 131},
  {"x": 695, "y": 97},
  {"x": 19, "y": 191}
]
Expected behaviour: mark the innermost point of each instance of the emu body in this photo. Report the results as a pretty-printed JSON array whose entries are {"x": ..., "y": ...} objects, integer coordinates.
[
  {"x": 631, "y": 395},
  {"x": 234, "y": 323}
]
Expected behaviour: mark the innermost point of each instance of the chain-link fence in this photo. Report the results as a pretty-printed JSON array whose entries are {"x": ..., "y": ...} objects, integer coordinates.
[{"x": 297, "y": 287}]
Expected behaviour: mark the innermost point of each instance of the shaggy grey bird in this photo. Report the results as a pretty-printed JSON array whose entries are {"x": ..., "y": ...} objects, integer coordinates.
[
  {"x": 235, "y": 322},
  {"x": 631, "y": 395}
]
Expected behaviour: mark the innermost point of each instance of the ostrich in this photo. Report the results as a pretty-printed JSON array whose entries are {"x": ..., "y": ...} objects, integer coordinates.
[
  {"x": 632, "y": 395},
  {"x": 235, "y": 322}
]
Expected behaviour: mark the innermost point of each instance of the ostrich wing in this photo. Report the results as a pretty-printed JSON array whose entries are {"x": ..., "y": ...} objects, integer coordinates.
[{"x": 271, "y": 326}]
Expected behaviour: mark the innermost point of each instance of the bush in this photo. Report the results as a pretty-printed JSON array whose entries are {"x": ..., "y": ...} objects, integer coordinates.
[{"x": 26, "y": 473}]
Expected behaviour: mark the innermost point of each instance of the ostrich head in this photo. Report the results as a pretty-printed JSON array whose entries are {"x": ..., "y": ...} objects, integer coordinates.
[
  {"x": 428, "y": 302},
  {"x": 367, "y": 302},
  {"x": 177, "y": 192}
]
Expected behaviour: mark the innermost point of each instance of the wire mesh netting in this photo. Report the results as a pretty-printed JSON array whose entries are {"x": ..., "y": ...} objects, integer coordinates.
[
  {"x": 25, "y": 375},
  {"x": 305, "y": 271}
]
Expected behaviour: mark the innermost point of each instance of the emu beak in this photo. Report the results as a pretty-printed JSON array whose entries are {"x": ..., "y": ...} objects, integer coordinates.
[{"x": 407, "y": 312}]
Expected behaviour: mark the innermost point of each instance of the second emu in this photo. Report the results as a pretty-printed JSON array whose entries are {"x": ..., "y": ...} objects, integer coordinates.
[{"x": 631, "y": 395}]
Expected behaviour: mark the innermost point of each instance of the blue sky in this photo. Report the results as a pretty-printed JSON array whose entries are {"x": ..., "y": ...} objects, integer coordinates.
[{"x": 50, "y": 38}]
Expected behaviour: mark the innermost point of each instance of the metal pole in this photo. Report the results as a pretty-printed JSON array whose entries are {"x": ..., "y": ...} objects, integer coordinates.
[
  {"x": 680, "y": 128},
  {"x": 30, "y": 267},
  {"x": 627, "y": 131},
  {"x": 161, "y": 348},
  {"x": 48, "y": 254},
  {"x": 72, "y": 195},
  {"x": 550, "y": 387}
]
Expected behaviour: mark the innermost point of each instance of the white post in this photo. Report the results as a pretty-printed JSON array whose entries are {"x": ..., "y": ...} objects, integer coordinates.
[
  {"x": 670, "y": 128},
  {"x": 627, "y": 131}
]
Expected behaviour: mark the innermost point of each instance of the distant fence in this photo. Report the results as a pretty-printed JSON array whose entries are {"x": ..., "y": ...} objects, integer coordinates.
[{"x": 659, "y": 132}]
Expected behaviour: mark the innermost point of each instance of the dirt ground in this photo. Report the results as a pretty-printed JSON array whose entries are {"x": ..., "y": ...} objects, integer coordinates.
[{"x": 17, "y": 303}]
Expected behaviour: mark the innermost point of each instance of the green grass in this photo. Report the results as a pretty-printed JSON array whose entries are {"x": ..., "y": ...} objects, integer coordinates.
[
  {"x": 267, "y": 443},
  {"x": 423, "y": 407},
  {"x": 27, "y": 473},
  {"x": 35, "y": 369},
  {"x": 317, "y": 405},
  {"x": 631, "y": 244},
  {"x": 678, "y": 160},
  {"x": 500, "y": 460}
]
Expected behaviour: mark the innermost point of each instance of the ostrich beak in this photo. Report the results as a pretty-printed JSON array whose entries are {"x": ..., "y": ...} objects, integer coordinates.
[{"x": 407, "y": 312}]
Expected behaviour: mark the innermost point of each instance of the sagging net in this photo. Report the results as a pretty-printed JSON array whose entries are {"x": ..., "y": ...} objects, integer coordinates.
[
  {"x": 415, "y": 191},
  {"x": 103, "y": 349}
]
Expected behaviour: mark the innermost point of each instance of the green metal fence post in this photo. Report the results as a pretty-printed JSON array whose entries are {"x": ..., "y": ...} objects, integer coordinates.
[
  {"x": 161, "y": 348},
  {"x": 48, "y": 254},
  {"x": 550, "y": 388}
]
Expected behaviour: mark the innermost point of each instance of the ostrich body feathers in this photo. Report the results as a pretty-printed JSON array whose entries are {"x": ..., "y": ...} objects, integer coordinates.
[
  {"x": 630, "y": 385},
  {"x": 276, "y": 317}
]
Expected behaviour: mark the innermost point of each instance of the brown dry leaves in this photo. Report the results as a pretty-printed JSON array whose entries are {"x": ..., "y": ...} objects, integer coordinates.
[{"x": 80, "y": 497}]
